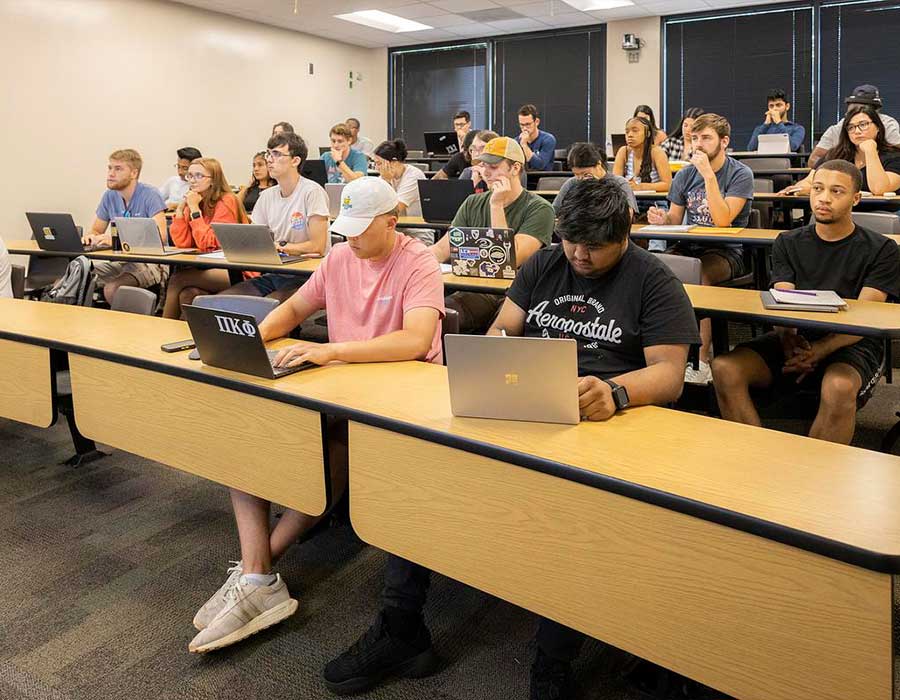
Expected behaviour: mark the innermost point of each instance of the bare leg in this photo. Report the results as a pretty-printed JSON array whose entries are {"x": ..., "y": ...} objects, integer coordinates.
[
  {"x": 246, "y": 288},
  {"x": 252, "y": 516},
  {"x": 284, "y": 294},
  {"x": 124, "y": 280},
  {"x": 715, "y": 269},
  {"x": 836, "y": 419},
  {"x": 733, "y": 375},
  {"x": 203, "y": 281}
]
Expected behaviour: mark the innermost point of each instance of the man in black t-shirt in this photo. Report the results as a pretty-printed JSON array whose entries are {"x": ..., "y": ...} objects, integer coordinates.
[
  {"x": 832, "y": 254},
  {"x": 633, "y": 323}
]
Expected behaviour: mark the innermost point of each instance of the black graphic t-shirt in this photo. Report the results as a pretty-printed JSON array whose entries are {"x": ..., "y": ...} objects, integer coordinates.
[{"x": 637, "y": 304}]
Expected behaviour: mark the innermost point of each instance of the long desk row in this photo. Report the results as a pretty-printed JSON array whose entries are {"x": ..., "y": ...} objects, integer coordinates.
[{"x": 757, "y": 562}]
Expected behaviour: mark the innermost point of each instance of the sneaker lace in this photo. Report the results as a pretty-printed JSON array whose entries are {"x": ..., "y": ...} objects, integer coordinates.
[
  {"x": 233, "y": 577},
  {"x": 234, "y": 592}
]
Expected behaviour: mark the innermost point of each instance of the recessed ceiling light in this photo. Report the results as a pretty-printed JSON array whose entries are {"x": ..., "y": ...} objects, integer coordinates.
[
  {"x": 591, "y": 5},
  {"x": 384, "y": 21}
]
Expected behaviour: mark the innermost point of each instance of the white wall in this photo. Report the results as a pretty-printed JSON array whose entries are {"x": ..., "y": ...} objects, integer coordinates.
[
  {"x": 84, "y": 77},
  {"x": 631, "y": 84}
]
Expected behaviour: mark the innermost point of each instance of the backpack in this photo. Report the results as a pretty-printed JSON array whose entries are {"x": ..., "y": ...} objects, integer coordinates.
[{"x": 75, "y": 286}]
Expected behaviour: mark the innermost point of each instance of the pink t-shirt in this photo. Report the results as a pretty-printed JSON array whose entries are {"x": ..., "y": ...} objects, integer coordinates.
[{"x": 366, "y": 299}]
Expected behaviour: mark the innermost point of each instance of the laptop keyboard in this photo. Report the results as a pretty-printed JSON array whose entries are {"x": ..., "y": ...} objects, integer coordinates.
[{"x": 285, "y": 370}]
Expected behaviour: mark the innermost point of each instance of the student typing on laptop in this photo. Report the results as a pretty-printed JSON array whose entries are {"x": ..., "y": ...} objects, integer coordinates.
[{"x": 385, "y": 299}]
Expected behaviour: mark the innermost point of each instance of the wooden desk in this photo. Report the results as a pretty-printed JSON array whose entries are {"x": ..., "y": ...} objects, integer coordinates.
[
  {"x": 26, "y": 384},
  {"x": 791, "y": 201}
]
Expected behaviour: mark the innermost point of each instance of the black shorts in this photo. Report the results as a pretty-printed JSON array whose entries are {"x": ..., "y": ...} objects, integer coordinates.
[
  {"x": 734, "y": 256},
  {"x": 865, "y": 356}
]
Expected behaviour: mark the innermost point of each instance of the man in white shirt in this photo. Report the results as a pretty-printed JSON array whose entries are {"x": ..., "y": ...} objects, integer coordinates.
[
  {"x": 175, "y": 188},
  {"x": 862, "y": 95},
  {"x": 357, "y": 142},
  {"x": 5, "y": 272}
]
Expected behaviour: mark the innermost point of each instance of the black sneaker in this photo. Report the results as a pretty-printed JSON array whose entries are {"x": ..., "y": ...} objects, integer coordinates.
[
  {"x": 550, "y": 679},
  {"x": 379, "y": 654}
]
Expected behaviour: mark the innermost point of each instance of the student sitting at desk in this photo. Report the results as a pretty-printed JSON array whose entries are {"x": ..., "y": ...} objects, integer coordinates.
[
  {"x": 507, "y": 205},
  {"x": 390, "y": 162},
  {"x": 642, "y": 163},
  {"x": 384, "y": 296},
  {"x": 342, "y": 163},
  {"x": 678, "y": 144},
  {"x": 587, "y": 161},
  {"x": 462, "y": 124},
  {"x": 646, "y": 112},
  {"x": 174, "y": 189},
  {"x": 538, "y": 146},
  {"x": 458, "y": 162},
  {"x": 777, "y": 122},
  {"x": 357, "y": 142},
  {"x": 475, "y": 172},
  {"x": 296, "y": 211},
  {"x": 209, "y": 201},
  {"x": 714, "y": 190},
  {"x": 633, "y": 323},
  {"x": 834, "y": 254},
  {"x": 259, "y": 180},
  {"x": 125, "y": 197}
]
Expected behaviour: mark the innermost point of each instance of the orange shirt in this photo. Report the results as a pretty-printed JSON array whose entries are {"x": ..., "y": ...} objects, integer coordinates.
[{"x": 198, "y": 233}]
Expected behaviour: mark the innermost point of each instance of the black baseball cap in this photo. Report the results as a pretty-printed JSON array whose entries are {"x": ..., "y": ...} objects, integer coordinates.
[{"x": 865, "y": 95}]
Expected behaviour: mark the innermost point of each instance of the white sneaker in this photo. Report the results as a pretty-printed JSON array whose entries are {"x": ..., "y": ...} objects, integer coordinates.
[
  {"x": 249, "y": 608},
  {"x": 214, "y": 605},
  {"x": 698, "y": 376}
]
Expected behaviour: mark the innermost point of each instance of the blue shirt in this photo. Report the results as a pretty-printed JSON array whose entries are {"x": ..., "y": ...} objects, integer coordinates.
[
  {"x": 543, "y": 147},
  {"x": 796, "y": 134},
  {"x": 688, "y": 190},
  {"x": 355, "y": 160},
  {"x": 146, "y": 202}
]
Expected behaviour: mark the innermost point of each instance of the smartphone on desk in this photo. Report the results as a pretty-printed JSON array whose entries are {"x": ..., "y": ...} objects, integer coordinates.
[{"x": 178, "y": 345}]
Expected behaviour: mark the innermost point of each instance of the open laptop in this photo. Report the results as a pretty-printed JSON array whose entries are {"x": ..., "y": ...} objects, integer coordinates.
[
  {"x": 141, "y": 236},
  {"x": 441, "y": 143},
  {"x": 232, "y": 341},
  {"x": 618, "y": 141},
  {"x": 334, "y": 190},
  {"x": 773, "y": 143},
  {"x": 483, "y": 252},
  {"x": 441, "y": 199},
  {"x": 251, "y": 243},
  {"x": 58, "y": 232},
  {"x": 533, "y": 379},
  {"x": 315, "y": 170}
]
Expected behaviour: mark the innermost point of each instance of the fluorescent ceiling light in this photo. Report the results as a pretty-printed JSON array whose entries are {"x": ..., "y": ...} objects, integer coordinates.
[
  {"x": 384, "y": 21},
  {"x": 591, "y": 5}
]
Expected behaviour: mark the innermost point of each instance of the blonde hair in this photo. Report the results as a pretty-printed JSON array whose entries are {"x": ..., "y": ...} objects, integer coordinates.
[
  {"x": 712, "y": 121},
  {"x": 130, "y": 156},
  {"x": 341, "y": 130},
  {"x": 218, "y": 189}
]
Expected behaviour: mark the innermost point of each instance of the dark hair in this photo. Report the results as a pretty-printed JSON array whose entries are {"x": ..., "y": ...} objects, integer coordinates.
[
  {"x": 286, "y": 126},
  {"x": 647, "y": 155},
  {"x": 296, "y": 146},
  {"x": 845, "y": 150},
  {"x": 188, "y": 153},
  {"x": 594, "y": 212},
  {"x": 529, "y": 111},
  {"x": 646, "y": 109},
  {"x": 467, "y": 143},
  {"x": 776, "y": 94},
  {"x": 463, "y": 114},
  {"x": 391, "y": 150},
  {"x": 846, "y": 167},
  {"x": 689, "y": 113},
  {"x": 253, "y": 181},
  {"x": 354, "y": 120},
  {"x": 586, "y": 155}
]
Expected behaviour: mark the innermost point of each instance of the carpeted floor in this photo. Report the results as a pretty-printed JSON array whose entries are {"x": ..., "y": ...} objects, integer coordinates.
[{"x": 104, "y": 567}]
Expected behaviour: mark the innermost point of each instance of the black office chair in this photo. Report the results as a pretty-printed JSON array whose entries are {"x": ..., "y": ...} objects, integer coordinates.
[{"x": 17, "y": 281}]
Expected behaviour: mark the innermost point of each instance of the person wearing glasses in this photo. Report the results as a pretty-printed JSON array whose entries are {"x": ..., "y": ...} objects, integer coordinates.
[
  {"x": 587, "y": 161},
  {"x": 462, "y": 124},
  {"x": 209, "y": 200},
  {"x": 259, "y": 181},
  {"x": 475, "y": 171},
  {"x": 863, "y": 143},
  {"x": 458, "y": 162},
  {"x": 296, "y": 211},
  {"x": 862, "y": 95},
  {"x": 538, "y": 145},
  {"x": 174, "y": 189},
  {"x": 342, "y": 163}
]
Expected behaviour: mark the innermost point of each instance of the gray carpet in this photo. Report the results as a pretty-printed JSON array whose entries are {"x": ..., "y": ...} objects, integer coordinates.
[{"x": 104, "y": 567}]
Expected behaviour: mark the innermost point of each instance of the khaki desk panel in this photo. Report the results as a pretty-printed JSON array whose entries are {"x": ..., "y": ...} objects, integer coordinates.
[
  {"x": 490, "y": 286},
  {"x": 751, "y": 617},
  {"x": 264, "y": 447},
  {"x": 26, "y": 387},
  {"x": 764, "y": 235}
]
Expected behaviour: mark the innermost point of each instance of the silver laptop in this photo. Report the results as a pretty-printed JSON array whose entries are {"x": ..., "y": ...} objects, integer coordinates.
[
  {"x": 141, "y": 236},
  {"x": 250, "y": 243},
  {"x": 532, "y": 379},
  {"x": 774, "y": 143},
  {"x": 334, "y": 191}
]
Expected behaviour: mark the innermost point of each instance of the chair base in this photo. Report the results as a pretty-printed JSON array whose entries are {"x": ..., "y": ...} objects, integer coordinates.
[{"x": 81, "y": 458}]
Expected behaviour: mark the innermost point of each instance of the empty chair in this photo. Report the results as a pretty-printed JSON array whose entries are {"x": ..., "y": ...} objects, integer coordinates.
[
  {"x": 134, "y": 300},
  {"x": 877, "y": 221},
  {"x": 757, "y": 164},
  {"x": 17, "y": 281},
  {"x": 550, "y": 183},
  {"x": 765, "y": 209},
  {"x": 258, "y": 307},
  {"x": 415, "y": 154},
  {"x": 688, "y": 270}
]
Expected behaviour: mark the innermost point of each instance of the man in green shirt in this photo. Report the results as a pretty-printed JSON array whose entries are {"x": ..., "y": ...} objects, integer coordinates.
[{"x": 506, "y": 204}]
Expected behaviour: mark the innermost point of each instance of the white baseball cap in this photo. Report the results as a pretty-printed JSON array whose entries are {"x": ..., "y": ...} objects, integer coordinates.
[{"x": 361, "y": 201}]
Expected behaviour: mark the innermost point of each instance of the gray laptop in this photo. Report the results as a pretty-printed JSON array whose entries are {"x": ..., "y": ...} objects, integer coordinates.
[
  {"x": 773, "y": 143},
  {"x": 232, "y": 341},
  {"x": 250, "y": 243},
  {"x": 141, "y": 236},
  {"x": 334, "y": 190},
  {"x": 531, "y": 379}
]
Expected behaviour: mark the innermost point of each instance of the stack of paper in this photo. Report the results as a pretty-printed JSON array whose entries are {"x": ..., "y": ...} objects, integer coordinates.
[{"x": 803, "y": 300}]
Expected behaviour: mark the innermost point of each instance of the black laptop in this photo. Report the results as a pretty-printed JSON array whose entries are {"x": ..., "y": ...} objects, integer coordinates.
[
  {"x": 58, "y": 232},
  {"x": 441, "y": 199},
  {"x": 618, "y": 141},
  {"x": 441, "y": 143},
  {"x": 315, "y": 170},
  {"x": 232, "y": 341}
]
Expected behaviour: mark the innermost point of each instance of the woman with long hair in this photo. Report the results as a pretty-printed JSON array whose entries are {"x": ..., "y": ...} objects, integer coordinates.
[
  {"x": 640, "y": 161},
  {"x": 259, "y": 180},
  {"x": 646, "y": 112},
  {"x": 209, "y": 200},
  {"x": 678, "y": 145}
]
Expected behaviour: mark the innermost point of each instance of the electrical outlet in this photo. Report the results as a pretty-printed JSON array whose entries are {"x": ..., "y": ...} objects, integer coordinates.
[{"x": 311, "y": 69}]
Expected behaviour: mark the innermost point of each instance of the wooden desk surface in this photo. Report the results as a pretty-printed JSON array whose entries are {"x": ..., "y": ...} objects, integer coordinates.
[
  {"x": 867, "y": 202},
  {"x": 835, "y": 500}
]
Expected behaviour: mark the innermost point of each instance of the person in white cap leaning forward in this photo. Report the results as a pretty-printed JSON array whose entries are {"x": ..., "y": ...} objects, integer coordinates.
[{"x": 385, "y": 299}]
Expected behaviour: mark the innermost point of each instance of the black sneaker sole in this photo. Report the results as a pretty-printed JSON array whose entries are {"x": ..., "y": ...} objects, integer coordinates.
[{"x": 418, "y": 666}]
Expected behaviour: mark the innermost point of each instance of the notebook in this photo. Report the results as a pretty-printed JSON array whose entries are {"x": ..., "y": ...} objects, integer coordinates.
[{"x": 802, "y": 300}]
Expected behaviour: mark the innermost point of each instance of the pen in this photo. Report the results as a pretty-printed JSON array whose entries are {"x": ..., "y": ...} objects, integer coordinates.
[
  {"x": 797, "y": 291},
  {"x": 503, "y": 332}
]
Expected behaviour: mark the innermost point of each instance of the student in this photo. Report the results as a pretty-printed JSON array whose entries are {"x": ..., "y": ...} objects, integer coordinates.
[
  {"x": 260, "y": 180},
  {"x": 126, "y": 197},
  {"x": 863, "y": 143},
  {"x": 475, "y": 171},
  {"x": 646, "y": 112},
  {"x": 507, "y": 204},
  {"x": 462, "y": 124},
  {"x": 833, "y": 254},
  {"x": 643, "y": 164},
  {"x": 538, "y": 146},
  {"x": 357, "y": 142},
  {"x": 714, "y": 190},
  {"x": 296, "y": 211},
  {"x": 458, "y": 161},
  {"x": 384, "y": 296},
  {"x": 390, "y": 162},
  {"x": 678, "y": 145},
  {"x": 5, "y": 272},
  {"x": 209, "y": 201},
  {"x": 587, "y": 161},
  {"x": 862, "y": 95},
  {"x": 342, "y": 163},
  {"x": 634, "y": 292},
  {"x": 282, "y": 127},
  {"x": 174, "y": 189},
  {"x": 777, "y": 122}
]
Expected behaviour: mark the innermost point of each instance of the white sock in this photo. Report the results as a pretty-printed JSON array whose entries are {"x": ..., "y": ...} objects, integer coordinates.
[{"x": 260, "y": 579}]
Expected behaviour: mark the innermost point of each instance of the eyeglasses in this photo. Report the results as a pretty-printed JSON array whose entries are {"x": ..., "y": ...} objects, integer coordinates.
[
  {"x": 858, "y": 127},
  {"x": 275, "y": 155},
  {"x": 194, "y": 177}
]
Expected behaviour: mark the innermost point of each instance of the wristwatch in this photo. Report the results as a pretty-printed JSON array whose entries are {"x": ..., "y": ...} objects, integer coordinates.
[
  {"x": 338, "y": 163},
  {"x": 619, "y": 394},
  {"x": 196, "y": 215}
]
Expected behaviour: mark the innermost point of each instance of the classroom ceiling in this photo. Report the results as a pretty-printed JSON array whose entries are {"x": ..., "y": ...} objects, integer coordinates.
[{"x": 451, "y": 19}]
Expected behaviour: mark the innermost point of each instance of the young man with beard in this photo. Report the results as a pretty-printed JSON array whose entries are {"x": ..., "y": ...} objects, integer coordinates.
[
  {"x": 836, "y": 254},
  {"x": 777, "y": 122}
]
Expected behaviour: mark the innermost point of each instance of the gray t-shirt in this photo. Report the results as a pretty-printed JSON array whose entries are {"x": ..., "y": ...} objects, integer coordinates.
[
  {"x": 620, "y": 181},
  {"x": 830, "y": 138},
  {"x": 689, "y": 191}
]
